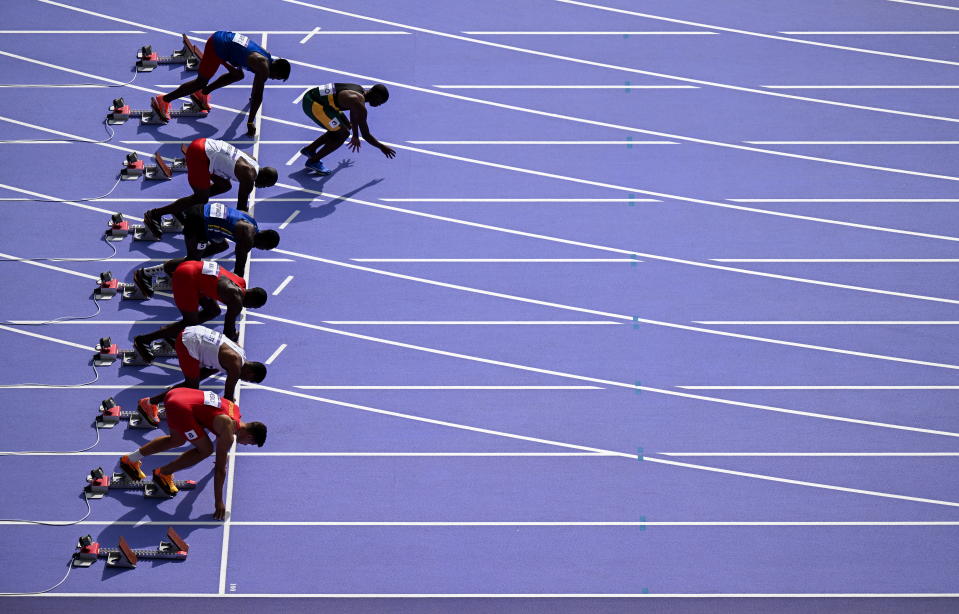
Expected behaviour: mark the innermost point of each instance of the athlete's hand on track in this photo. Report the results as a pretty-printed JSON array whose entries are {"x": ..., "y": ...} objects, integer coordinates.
[
  {"x": 388, "y": 151},
  {"x": 355, "y": 143},
  {"x": 220, "y": 512},
  {"x": 250, "y": 129}
]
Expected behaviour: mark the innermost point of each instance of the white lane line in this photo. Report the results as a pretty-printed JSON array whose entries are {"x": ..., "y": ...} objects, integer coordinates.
[
  {"x": 101, "y": 322},
  {"x": 839, "y": 260},
  {"x": 276, "y": 86},
  {"x": 88, "y": 348},
  {"x": 522, "y": 50},
  {"x": 522, "y": 200},
  {"x": 862, "y": 87},
  {"x": 269, "y": 361},
  {"x": 467, "y": 260},
  {"x": 292, "y": 217},
  {"x": 619, "y": 86},
  {"x": 475, "y": 322},
  {"x": 547, "y": 237},
  {"x": 668, "y": 392},
  {"x": 834, "y": 322},
  {"x": 635, "y": 320},
  {"x": 282, "y": 285},
  {"x": 299, "y": 98},
  {"x": 934, "y": 6},
  {"x": 797, "y": 454},
  {"x": 493, "y": 523},
  {"x": 619, "y": 143},
  {"x": 874, "y": 32},
  {"x": 72, "y": 32},
  {"x": 277, "y": 31},
  {"x": 293, "y": 158},
  {"x": 107, "y": 259},
  {"x": 166, "y": 200},
  {"x": 758, "y": 34},
  {"x": 819, "y": 387},
  {"x": 117, "y": 386},
  {"x": 333, "y": 454},
  {"x": 66, "y": 202},
  {"x": 851, "y": 142},
  {"x": 844, "y": 200},
  {"x": 449, "y": 387},
  {"x": 310, "y": 35},
  {"x": 583, "y": 32},
  {"x": 561, "y": 444},
  {"x": 50, "y": 266}
]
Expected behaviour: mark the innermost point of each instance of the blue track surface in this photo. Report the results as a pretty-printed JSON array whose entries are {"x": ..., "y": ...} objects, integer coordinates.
[{"x": 681, "y": 325}]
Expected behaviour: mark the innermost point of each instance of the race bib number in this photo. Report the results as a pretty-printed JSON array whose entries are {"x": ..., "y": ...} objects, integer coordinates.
[
  {"x": 211, "y": 398},
  {"x": 218, "y": 211},
  {"x": 325, "y": 90},
  {"x": 334, "y": 123},
  {"x": 210, "y": 268},
  {"x": 240, "y": 39},
  {"x": 191, "y": 435}
]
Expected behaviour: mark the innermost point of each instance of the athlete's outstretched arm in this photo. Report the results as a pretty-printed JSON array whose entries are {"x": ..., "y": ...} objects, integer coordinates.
[
  {"x": 261, "y": 71},
  {"x": 224, "y": 441},
  {"x": 358, "y": 118}
]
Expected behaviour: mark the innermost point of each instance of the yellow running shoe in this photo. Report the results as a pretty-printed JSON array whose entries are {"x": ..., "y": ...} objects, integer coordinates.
[
  {"x": 131, "y": 469},
  {"x": 165, "y": 482}
]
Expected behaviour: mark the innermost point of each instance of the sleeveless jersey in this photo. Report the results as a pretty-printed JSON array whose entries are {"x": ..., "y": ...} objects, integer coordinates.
[
  {"x": 204, "y": 344},
  {"x": 223, "y": 157},
  {"x": 221, "y": 221},
  {"x": 236, "y": 48},
  {"x": 212, "y": 406}
]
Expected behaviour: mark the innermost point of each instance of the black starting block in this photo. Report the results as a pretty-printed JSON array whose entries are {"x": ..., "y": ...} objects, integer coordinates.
[
  {"x": 108, "y": 353},
  {"x": 111, "y": 414},
  {"x": 188, "y": 55},
  {"x": 134, "y": 168},
  {"x": 88, "y": 551},
  {"x": 118, "y": 228},
  {"x": 109, "y": 286},
  {"x": 120, "y": 112},
  {"x": 99, "y": 483}
]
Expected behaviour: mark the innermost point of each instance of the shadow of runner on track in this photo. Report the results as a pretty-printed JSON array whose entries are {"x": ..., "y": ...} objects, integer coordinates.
[{"x": 308, "y": 210}]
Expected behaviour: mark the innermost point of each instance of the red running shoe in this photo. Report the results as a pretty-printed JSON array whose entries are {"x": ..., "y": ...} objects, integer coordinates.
[
  {"x": 162, "y": 107},
  {"x": 149, "y": 411},
  {"x": 201, "y": 100}
]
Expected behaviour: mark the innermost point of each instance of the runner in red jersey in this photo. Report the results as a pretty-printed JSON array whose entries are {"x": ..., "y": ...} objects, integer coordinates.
[
  {"x": 190, "y": 414},
  {"x": 196, "y": 284}
]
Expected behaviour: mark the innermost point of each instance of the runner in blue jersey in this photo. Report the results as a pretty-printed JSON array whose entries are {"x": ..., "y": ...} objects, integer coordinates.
[
  {"x": 207, "y": 228},
  {"x": 236, "y": 52}
]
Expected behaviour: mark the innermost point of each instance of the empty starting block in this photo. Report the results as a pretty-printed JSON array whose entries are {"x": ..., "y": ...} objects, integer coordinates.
[
  {"x": 99, "y": 483},
  {"x": 134, "y": 168},
  {"x": 88, "y": 551},
  {"x": 108, "y": 353},
  {"x": 189, "y": 56},
  {"x": 111, "y": 414},
  {"x": 120, "y": 112}
]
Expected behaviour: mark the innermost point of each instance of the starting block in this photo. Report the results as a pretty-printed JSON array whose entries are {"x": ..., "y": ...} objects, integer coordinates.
[
  {"x": 134, "y": 168},
  {"x": 120, "y": 112},
  {"x": 118, "y": 228},
  {"x": 110, "y": 286},
  {"x": 88, "y": 551},
  {"x": 99, "y": 483},
  {"x": 111, "y": 414},
  {"x": 188, "y": 55},
  {"x": 132, "y": 293},
  {"x": 108, "y": 353}
]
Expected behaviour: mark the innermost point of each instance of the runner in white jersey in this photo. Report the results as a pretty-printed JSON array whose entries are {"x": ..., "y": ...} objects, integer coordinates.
[
  {"x": 202, "y": 352},
  {"x": 210, "y": 165}
]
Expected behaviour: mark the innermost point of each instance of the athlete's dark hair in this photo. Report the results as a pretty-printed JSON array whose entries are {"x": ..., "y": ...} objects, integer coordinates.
[
  {"x": 258, "y": 431},
  {"x": 266, "y": 239},
  {"x": 266, "y": 177},
  {"x": 279, "y": 69},
  {"x": 257, "y": 371},
  {"x": 254, "y": 298},
  {"x": 378, "y": 94}
]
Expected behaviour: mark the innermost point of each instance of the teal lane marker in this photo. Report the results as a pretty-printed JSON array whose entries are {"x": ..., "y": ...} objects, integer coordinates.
[
  {"x": 639, "y": 387},
  {"x": 635, "y": 321},
  {"x": 632, "y": 200},
  {"x": 635, "y": 259},
  {"x": 628, "y": 86},
  {"x": 639, "y": 456},
  {"x": 642, "y": 523},
  {"x": 629, "y": 142}
]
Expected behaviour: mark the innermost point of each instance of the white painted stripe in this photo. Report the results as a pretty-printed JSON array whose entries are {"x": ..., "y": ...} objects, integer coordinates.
[
  {"x": 44, "y": 265},
  {"x": 758, "y": 34},
  {"x": 851, "y": 142},
  {"x": 527, "y": 260},
  {"x": 819, "y": 387},
  {"x": 114, "y": 259},
  {"x": 935, "y": 6},
  {"x": 668, "y": 392},
  {"x": 299, "y": 98},
  {"x": 214, "y": 199},
  {"x": 102, "y": 322},
  {"x": 523, "y": 200},
  {"x": 64, "y": 202},
  {"x": 620, "y": 86},
  {"x": 72, "y": 32},
  {"x": 841, "y": 260},
  {"x": 310, "y": 35},
  {"x": 88, "y": 348},
  {"x": 582, "y": 32},
  {"x": 844, "y": 200},
  {"x": 619, "y": 143},
  {"x": 610, "y": 66},
  {"x": 874, "y": 32},
  {"x": 292, "y": 217},
  {"x": 282, "y": 285},
  {"x": 476, "y": 322},
  {"x": 338, "y": 454},
  {"x": 293, "y": 157},
  {"x": 449, "y": 387},
  {"x": 275, "y": 86},
  {"x": 518, "y": 523},
  {"x": 862, "y": 87},
  {"x": 508, "y": 595},
  {"x": 799, "y": 454},
  {"x": 275, "y": 353},
  {"x": 284, "y": 31},
  {"x": 835, "y": 322},
  {"x": 587, "y": 448}
]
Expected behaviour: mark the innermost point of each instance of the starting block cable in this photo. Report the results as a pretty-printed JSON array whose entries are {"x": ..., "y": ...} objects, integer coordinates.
[
  {"x": 64, "y": 200},
  {"x": 46, "y": 590}
]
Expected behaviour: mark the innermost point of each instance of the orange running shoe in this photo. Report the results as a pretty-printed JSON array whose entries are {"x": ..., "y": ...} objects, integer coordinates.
[
  {"x": 131, "y": 469},
  {"x": 149, "y": 411},
  {"x": 165, "y": 482},
  {"x": 162, "y": 107},
  {"x": 201, "y": 100}
]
